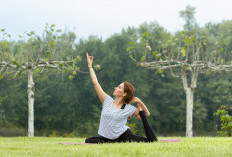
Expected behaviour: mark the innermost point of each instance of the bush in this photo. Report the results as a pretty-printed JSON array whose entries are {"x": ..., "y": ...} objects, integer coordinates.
[
  {"x": 226, "y": 121},
  {"x": 132, "y": 127}
]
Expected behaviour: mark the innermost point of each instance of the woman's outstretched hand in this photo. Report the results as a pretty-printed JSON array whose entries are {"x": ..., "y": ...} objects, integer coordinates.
[{"x": 89, "y": 60}]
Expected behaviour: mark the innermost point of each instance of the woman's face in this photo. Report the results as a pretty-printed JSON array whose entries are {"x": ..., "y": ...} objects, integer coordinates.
[{"x": 119, "y": 91}]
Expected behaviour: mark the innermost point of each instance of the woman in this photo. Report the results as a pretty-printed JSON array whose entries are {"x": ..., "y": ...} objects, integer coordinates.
[{"x": 114, "y": 114}]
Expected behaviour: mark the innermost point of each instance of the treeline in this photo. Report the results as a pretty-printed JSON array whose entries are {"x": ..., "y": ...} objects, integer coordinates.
[{"x": 65, "y": 107}]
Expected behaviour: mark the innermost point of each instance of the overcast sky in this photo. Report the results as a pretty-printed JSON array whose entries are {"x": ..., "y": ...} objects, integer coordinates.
[{"x": 104, "y": 17}]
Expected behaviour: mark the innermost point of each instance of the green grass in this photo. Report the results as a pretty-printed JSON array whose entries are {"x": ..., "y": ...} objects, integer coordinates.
[{"x": 44, "y": 146}]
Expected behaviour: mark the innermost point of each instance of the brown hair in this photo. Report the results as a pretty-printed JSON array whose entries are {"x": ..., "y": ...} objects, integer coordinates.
[{"x": 130, "y": 91}]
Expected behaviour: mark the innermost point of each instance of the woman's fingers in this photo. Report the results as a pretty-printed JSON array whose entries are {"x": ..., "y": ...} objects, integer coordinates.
[{"x": 91, "y": 58}]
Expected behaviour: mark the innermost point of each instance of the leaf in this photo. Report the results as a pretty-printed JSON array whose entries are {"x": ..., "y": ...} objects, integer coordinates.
[
  {"x": 97, "y": 67},
  {"x": 77, "y": 68},
  {"x": 15, "y": 63},
  {"x": 154, "y": 53},
  {"x": 58, "y": 37},
  {"x": 159, "y": 71},
  {"x": 183, "y": 32},
  {"x": 71, "y": 77},
  {"x": 222, "y": 61},
  {"x": 38, "y": 70},
  {"x": 74, "y": 72},
  {"x": 158, "y": 56},
  {"x": 221, "y": 49},
  {"x": 49, "y": 54},
  {"x": 3, "y": 30},
  {"x": 145, "y": 34},
  {"x": 142, "y": 39},
  {"x": 51, "y": 43},
  {"x": 142, "y": 59},
  {"x": 78, "y": 58},
  {"x": 4, "y": 43},
  {"x": 131, "y": 43},
  {"x": 17, "y": 75},
  {"x": 183, "y": 51},
  {"x": 61, "y": 65}
]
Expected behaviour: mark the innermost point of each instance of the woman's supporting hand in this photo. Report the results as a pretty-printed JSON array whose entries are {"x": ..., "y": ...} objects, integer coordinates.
[
  {"x": 141, "y": 104},
  {"x": 136, "y": 100},
  {"x": 89, "y": 60}
]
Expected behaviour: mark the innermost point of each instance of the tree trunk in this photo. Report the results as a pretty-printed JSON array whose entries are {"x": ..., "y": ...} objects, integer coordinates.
[
  {"x": 31, "y": 98},
  {"x": 189, "y": 113},
  {"x": 189, "y": 91}
]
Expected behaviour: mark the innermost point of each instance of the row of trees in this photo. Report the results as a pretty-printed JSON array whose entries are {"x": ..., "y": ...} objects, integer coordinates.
[
  {"x": 188, "y": 53},
  {"x": 67, "y": 103}
]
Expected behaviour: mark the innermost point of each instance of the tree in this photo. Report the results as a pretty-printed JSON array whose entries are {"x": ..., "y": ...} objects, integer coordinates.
[
  {"x": 186, "y": 54},
  {"x": 36, "y": 55}
]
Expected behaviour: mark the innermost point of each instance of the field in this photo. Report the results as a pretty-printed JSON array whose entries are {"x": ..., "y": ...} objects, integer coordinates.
[{"x": 47, "y": 146}]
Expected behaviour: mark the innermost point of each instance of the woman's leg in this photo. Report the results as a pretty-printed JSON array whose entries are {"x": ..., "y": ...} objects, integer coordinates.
[
  {"x": 98, "y": 139},
  {"x": 149, "y": 132},
  {"x": 128, "y": 136}
]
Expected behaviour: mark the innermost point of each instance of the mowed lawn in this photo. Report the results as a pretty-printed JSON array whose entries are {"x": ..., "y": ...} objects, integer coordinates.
[{"x": 47, "y": 146}]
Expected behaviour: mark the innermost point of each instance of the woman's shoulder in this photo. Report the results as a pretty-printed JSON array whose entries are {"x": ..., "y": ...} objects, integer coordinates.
[
  {"x": 108, "y": 99},
  {"x": 130, "y": 106}
]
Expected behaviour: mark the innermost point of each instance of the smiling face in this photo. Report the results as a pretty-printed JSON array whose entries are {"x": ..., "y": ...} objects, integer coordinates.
[{"x": 119, "y": 91}]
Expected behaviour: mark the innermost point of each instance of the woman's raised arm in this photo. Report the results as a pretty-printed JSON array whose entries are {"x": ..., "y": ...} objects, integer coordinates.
[{"x": 100, "y": 93}]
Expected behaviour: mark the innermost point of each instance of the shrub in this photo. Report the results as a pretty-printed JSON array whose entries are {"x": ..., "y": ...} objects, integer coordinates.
[
  {"x": 132, "y": 127},
  {"x": 225, "y": 120}
]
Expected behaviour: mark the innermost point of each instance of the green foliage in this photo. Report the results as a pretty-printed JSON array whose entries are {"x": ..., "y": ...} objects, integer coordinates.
[
  {"x": 226, "y": 121},
  {"x": 72, "y": 107},
  {"x": 183, "y": 51},
  {"x": 132, "y": 127}
]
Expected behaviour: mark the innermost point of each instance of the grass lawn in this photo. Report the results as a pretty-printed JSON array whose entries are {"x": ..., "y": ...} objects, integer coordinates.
[{"x": 44, "y": 146}]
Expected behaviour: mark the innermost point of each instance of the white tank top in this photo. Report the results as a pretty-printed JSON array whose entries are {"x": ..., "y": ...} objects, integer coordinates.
[{"x": 113, "y": 120}]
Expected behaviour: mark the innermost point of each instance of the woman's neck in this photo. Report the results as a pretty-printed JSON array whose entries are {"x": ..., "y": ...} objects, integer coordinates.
[{"x": 118, "y": 102}]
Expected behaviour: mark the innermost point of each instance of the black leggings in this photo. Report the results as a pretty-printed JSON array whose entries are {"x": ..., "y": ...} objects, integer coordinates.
[{"x": 128, "y": 136}]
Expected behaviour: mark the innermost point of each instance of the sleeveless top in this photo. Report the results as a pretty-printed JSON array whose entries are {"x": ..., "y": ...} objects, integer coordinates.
[{"x": 113, "y": 120}]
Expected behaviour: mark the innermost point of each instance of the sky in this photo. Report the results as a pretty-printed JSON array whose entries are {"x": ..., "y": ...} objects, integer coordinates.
[{"x": 103, "y": 18}]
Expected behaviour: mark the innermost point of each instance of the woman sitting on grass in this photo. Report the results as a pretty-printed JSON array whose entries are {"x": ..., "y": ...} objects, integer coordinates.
[{"x": 114, "y": 114}]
